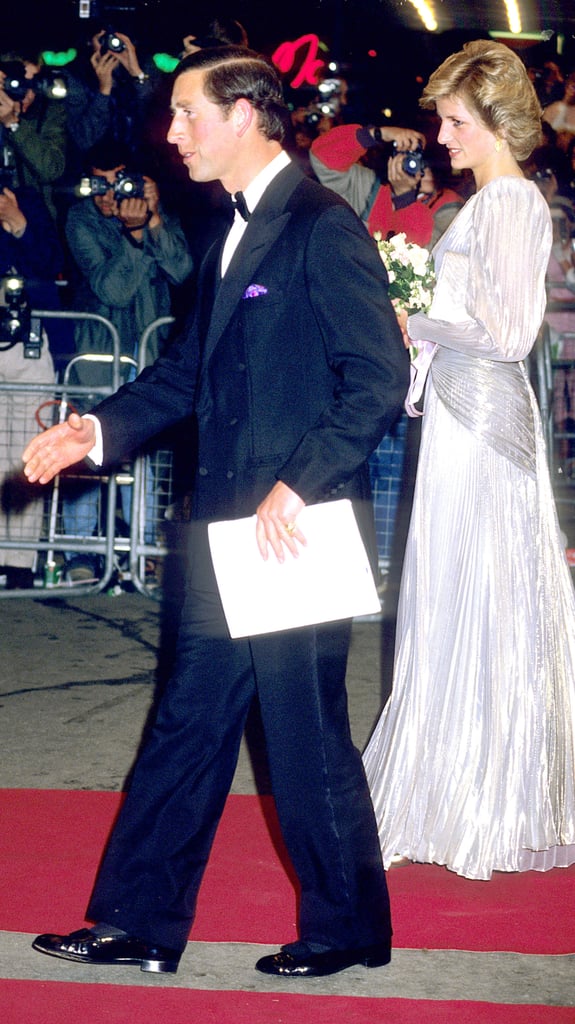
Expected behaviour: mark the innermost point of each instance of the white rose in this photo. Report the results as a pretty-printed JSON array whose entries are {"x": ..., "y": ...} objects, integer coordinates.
[{"x": 420, "y": 259}]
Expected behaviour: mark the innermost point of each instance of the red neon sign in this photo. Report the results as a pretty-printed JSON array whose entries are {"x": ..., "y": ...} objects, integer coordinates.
[{"x": 285, "y": 55}]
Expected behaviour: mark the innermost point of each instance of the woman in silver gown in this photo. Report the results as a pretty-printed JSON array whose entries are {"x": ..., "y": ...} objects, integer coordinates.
[{"x": 472, "y": 763}]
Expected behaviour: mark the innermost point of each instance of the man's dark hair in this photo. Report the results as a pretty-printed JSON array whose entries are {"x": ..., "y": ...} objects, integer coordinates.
[
  {"x": 233, "y": 73},
  {"x": 106, "y": 156}
]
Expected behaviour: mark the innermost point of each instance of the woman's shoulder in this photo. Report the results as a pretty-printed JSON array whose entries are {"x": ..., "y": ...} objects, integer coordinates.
[
  {"x": 513, "y": 207},
  {"x": 513, "y": 184},
  {"x": 513, "y": 190}
]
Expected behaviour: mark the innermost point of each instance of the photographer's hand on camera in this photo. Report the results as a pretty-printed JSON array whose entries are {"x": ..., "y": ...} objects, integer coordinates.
[
  {"x": 405, "y": 139},
  {"x": 152, "y": 197},
  {"x": 134, "y": 215},
  {"x": 9, "y": 108},
  {"x": 129, "y": 58},
  {"x": 104, "y": 65},
  {"x": 105, "y": 61},
  {"x": 137, "y": 213},
  {"x": 12, "y": 219},
  {"x": 400, "y": 182}
]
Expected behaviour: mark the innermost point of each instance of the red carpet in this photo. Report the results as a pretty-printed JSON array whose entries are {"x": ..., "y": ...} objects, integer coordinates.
[
  {"x": 55, "y": 1002},
  {"x": 51, "y": 841}
]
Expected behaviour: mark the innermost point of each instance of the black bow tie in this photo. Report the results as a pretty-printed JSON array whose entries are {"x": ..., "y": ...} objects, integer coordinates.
[{"x": 239, "y": 202}]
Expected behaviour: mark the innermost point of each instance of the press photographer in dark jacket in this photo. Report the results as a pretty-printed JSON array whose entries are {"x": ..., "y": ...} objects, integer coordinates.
[{"x": 32, "y": 128}]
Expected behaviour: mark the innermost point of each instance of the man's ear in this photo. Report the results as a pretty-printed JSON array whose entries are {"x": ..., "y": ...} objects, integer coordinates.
[{"x": 243, "y": 115}]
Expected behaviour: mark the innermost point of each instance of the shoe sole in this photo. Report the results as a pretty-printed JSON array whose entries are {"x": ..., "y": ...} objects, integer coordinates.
[
  {"x": 375, "y": 961},
  {"x": 317, "y": 972},
  {"x": 159, "y": 966},
  {"x": 152, "y": 966}
]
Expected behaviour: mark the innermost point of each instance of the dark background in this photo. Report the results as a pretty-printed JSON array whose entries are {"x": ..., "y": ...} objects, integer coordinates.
[{"x": 404, "y": 53}]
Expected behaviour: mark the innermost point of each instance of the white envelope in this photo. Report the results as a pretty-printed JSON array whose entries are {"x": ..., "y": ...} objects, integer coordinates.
[{"x": 330, "y": 579}]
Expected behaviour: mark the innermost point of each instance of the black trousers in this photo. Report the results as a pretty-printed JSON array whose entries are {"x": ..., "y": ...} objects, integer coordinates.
[{"x": 152, "y": 869}]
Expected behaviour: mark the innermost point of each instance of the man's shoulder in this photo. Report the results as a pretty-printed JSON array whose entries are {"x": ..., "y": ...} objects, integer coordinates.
[
  {"x": 302, "y": 197},
  {"x": 318, "y": 214},
  {"x": 310, "y": 197}
]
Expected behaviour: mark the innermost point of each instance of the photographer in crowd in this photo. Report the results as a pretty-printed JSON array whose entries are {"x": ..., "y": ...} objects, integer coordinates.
[
  {"x": 129, "y": 253},
  {"x": 32, "y": 127},
  {"x": 28, "y": 246},
  {"x": 107, "y": 97},
  {"x": 412, "y": 201}
]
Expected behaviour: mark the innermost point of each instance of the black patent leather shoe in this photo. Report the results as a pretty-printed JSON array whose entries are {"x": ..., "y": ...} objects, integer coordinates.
[
  {"x": 86, "y": 948},
  {"x": 299, "y": 963}
]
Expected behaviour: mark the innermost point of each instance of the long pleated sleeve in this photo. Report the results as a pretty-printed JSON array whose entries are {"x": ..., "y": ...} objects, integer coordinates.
[{"x": 494, "y": 286}]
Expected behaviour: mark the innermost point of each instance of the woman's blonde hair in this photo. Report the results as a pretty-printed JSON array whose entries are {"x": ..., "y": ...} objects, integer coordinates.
[{"x": 494, "y": 85}]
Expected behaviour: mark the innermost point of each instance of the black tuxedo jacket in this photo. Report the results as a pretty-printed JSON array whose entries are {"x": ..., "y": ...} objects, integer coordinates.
[{"x": 293, "y": 363}]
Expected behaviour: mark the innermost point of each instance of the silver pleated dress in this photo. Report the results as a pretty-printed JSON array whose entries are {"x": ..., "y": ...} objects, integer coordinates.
[{"x": 472, "y": 763}]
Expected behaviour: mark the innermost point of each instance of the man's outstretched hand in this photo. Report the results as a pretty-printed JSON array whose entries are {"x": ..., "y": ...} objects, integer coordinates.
[{"x": 60, "y": 446}]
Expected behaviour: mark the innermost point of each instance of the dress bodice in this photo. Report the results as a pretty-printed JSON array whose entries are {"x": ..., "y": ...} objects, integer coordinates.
[{"x": 490, "y": 263}]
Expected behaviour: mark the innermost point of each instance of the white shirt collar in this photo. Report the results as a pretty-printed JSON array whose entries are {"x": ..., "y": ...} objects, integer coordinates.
[
  {"x": 252, "y": 195},
  {"x": 258, "y": 185}
]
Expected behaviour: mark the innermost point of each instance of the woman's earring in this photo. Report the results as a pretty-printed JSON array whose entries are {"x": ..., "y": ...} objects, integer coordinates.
[{"x": 498, "y": 145}]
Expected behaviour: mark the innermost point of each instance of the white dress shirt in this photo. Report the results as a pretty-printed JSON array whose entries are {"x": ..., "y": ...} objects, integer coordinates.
[{"x": 252, "y": 196}]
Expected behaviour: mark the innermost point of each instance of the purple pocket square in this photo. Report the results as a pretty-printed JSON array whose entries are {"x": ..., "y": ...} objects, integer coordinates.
[{"x": 254, "y": 290}]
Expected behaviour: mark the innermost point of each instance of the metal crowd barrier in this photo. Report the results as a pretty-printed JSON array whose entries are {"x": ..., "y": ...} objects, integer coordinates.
[
  {"x": 121, "y": 556},
  {"x": 552, "y": 361},
  {"x": 124, "y": 556}
]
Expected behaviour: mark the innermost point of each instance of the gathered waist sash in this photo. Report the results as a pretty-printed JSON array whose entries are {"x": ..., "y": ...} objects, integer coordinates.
[{"x": 491, "y": 399}]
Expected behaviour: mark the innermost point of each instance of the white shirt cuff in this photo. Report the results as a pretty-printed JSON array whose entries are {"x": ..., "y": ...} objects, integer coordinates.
[{"x": 96, "y": 454}]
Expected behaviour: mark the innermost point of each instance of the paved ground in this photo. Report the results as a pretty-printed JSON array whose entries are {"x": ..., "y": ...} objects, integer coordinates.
[{"x": 78, "y": 678}]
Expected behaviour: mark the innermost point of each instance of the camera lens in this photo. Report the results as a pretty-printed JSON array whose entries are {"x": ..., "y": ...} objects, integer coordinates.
[
  {"x": 111, "y": 42},
  {"x": 15, "y": 84},
  {"x": 129, "y": 186},
  {"x": 413, "y": 163}
]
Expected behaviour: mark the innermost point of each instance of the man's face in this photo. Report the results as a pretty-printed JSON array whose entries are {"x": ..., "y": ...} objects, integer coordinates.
[
  {"x": 205, "y": 137},
  {"x": 107, "y": 204}
]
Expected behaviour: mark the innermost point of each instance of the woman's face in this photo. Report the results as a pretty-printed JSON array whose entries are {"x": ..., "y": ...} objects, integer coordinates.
[{"x": 470, "y": 145}]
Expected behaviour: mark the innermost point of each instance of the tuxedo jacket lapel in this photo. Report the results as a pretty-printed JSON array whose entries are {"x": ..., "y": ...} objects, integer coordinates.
[{"x": 264, "y": 228}]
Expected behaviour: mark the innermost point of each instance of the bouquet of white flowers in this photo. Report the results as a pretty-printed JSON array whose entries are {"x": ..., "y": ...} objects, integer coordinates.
[
  {"x": 411, "y": 282},
  {"x": 410, "y": 271}
]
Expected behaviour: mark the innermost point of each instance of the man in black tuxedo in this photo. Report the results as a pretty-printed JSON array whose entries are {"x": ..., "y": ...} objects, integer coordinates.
[{"x": 295, "y": 368}]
